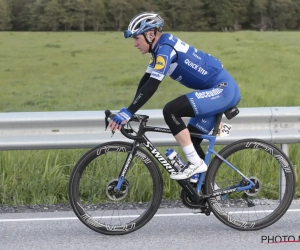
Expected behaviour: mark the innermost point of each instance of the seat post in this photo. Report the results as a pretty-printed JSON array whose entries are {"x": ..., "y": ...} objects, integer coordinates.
[{"x": 217, "y": 124}]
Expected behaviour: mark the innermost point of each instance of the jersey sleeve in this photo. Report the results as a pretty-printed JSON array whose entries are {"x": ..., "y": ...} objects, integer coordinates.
[
  {"x": 164, "y": 56},
  {"x": 150, "y": 65}
]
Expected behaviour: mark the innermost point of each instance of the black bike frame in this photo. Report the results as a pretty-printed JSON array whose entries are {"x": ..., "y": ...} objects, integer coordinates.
[{"x": 193, "y": 193}]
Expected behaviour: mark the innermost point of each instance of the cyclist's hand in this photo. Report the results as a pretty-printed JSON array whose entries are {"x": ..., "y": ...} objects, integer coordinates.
[{"x": 120, "y": 119}]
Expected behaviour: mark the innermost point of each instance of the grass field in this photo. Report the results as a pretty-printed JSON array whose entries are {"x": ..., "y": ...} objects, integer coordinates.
[{"x": 95, "y": 71}]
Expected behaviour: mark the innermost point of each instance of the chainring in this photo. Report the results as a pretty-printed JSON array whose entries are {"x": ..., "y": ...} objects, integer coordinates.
[{"x": 189, "y": 203}]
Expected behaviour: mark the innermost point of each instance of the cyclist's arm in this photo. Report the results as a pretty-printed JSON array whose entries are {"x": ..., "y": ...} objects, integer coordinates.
[
  {"x": 144, "y": 79},
  {"x": 144, "y": 94},
  {"x": 157, "y": 73}
]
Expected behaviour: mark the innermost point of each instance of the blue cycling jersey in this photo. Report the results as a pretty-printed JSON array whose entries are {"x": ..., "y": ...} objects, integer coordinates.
[
  {"x": 183, "y": 63},
  {"x": 214, "y": 89}
]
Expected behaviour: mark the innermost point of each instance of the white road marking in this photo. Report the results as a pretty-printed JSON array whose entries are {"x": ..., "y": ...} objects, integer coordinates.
[{"x": 124, "y": 216}]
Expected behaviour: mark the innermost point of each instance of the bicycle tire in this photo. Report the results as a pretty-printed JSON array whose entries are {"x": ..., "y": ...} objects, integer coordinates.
[
  {"x": 92, "y": 194},
  {"x": 232, "y": 208}
]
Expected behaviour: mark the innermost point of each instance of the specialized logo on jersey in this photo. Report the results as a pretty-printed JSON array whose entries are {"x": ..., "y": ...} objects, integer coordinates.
[
  {"x": 222, "y": 85},
  {"x": 178, "y": 79},
  {"x": 157, "y": 75},
  {"x": 201, "y": 128},
  {"x": 195, "y": 54},
  {"x": 194, "y": 106},
  {"x": 160, "y": 63},
  {"x": 171, "y": 38}
]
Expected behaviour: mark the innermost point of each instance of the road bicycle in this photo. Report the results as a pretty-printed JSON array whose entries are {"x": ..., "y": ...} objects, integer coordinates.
[{"x": 117, "y": 187}]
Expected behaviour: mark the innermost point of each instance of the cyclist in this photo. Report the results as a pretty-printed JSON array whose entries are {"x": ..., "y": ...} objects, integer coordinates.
[{"x": 214, "y": 90}]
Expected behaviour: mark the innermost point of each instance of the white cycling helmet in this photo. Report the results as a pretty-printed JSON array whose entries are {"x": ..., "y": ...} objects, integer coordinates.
[{"x": 143, "y": 22}]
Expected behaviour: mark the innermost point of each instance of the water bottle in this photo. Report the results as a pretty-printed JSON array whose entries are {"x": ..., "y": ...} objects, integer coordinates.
[{"x": 175, "y": 159}]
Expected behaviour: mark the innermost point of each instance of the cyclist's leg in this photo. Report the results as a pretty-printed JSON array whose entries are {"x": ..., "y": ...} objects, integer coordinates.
[
  {"x": 200, "y": 126},
  {"x": 204, "y": 104},
  {"x": 173, "y": 113},
  {"x": 210, "y": 102}
]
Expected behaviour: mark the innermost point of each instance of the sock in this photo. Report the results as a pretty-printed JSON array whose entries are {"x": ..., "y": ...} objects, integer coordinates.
[{"x": 192, "y": 155}]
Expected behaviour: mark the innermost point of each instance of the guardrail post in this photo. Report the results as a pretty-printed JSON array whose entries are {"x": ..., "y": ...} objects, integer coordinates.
[{"x": 282, "y": 184}]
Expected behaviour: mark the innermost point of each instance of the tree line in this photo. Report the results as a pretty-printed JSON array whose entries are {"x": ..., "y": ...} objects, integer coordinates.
[{"x": 114, "y": 15}]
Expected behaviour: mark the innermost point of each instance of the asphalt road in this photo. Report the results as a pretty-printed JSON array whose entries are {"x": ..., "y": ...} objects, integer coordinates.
[{"x": 176, "y": 228}]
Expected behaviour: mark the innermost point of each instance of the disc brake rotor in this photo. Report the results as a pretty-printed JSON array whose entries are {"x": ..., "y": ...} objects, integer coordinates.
[
  {"x": 117, "y": 195},
  {"x": 256, "y": 188}
]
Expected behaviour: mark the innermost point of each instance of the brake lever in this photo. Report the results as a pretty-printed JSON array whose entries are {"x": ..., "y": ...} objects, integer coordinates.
[{"x": 108, "y": 114}]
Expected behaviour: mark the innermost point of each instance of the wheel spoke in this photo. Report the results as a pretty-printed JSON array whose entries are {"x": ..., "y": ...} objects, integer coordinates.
[
  {"x": 97, "y": 202},
  {"x": 263, "y": 204}
]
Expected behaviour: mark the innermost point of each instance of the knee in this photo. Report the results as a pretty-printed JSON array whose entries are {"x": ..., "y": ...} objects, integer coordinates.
[{"x": 167, "y": 110}]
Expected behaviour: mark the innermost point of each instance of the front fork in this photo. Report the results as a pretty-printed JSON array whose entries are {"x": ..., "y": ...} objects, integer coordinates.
[{"x": 126, "y": 166}]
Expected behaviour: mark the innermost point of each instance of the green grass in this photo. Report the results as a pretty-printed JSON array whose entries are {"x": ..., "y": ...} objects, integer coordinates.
[
  {"x": 96, "y": 71},
  {"x": 41, "y": 177},
  {"x": 45, "y": 71}
]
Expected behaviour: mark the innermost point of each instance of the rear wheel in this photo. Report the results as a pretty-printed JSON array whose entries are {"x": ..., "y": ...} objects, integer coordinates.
[
  {"x": 271, "y": 171},
  {"x": 93, "y": 195}
]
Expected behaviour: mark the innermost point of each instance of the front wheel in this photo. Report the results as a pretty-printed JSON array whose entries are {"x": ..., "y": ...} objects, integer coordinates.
[
  {"x": 265, "y": 203},
  {"x": 93, "y": 195}
]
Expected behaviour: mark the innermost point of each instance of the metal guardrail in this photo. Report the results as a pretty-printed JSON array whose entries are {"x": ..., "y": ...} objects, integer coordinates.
[{"x": 85, "y": 129}]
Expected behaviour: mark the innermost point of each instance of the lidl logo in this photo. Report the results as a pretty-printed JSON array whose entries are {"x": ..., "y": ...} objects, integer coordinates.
[{"x": 160, "y": 63}]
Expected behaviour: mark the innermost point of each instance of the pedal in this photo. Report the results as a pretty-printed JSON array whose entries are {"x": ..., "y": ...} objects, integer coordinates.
[
  {"x": 207, "y": 212},
  {"x": 204, "y": 210},
  {"x": 198, "y": 211}
]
